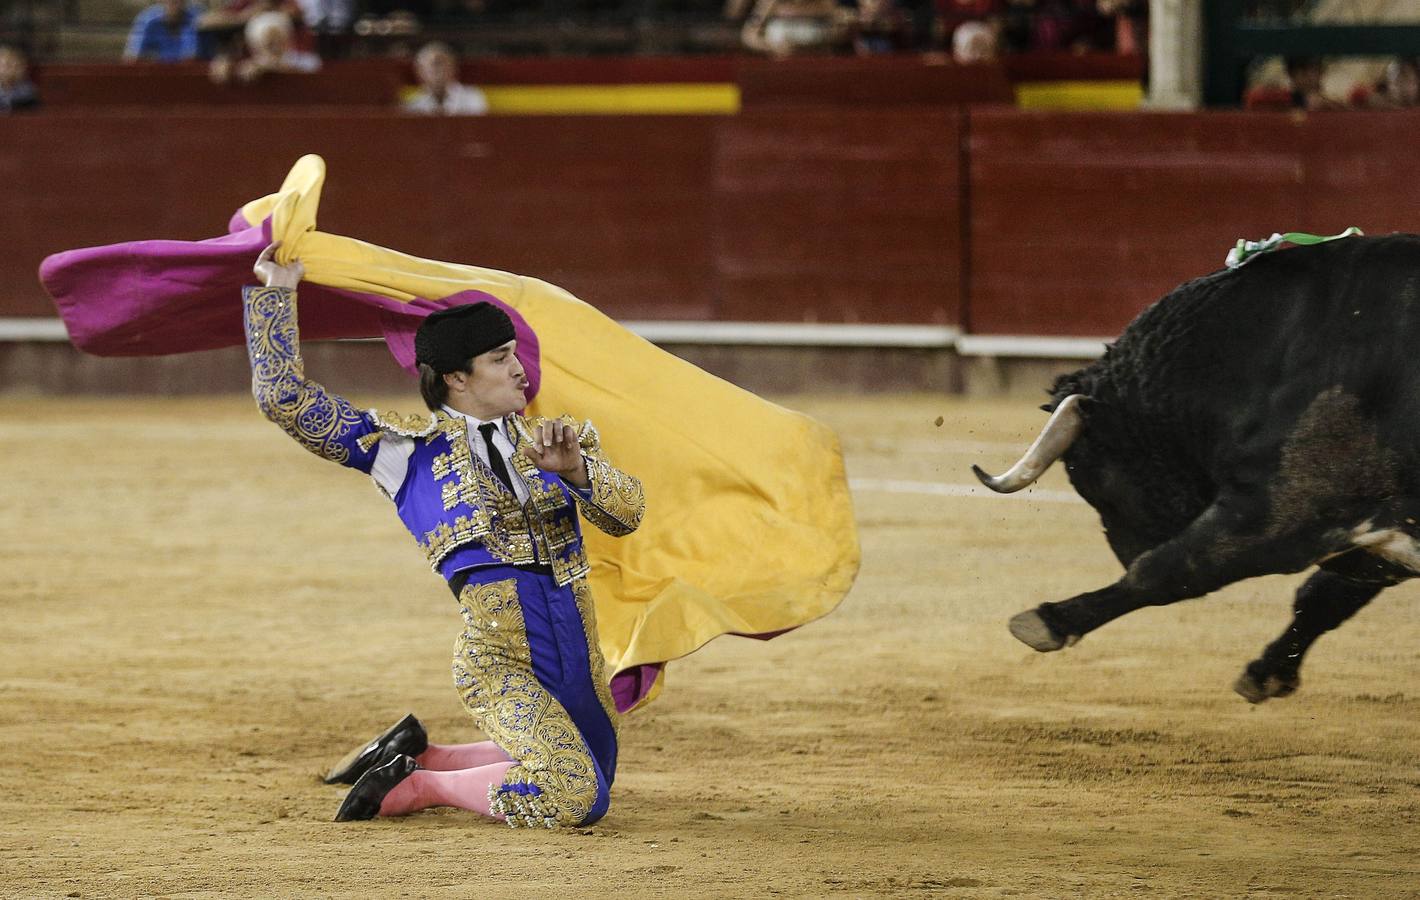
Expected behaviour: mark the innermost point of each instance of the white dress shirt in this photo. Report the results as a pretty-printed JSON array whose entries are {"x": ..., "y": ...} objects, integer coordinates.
[{"x": 392, "y": 458}]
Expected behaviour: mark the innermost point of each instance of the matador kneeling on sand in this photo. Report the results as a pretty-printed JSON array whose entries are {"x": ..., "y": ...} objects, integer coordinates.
[{"x": 492, "y": 498}]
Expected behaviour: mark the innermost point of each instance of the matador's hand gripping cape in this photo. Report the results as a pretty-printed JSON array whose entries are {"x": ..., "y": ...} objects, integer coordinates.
[{"x": 750, "y": 527}]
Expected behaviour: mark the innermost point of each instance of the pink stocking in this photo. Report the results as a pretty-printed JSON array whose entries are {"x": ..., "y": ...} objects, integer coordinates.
[
  {"x": 448, "y": 757},
  {"x": 463, "y": 788}
]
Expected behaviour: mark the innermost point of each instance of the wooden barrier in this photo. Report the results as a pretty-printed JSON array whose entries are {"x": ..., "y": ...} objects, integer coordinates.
[
  {"x": 785, "y": 216},
  {"x": 831, "y": 216},
  {"x": 878, "y": 82},
  {"x": 372, "y": 83},
  {"x": 1078, "y": 221},
  {"x": 907, "y": 80},
  {"x": 1008, "y": 223},
  {"x": 1073, "y": 67}
]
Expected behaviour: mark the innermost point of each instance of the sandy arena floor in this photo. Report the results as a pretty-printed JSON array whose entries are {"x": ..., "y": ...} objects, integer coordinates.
[{"x": 199, "y": 618}]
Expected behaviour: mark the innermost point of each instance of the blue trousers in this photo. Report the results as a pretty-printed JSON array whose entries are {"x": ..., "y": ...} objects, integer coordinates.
[{"x": 529, "y": 670}]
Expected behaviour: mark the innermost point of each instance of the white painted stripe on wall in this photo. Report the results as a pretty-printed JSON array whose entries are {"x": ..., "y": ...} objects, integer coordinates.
[
  {"x": 782, "y": 334},
  {"x": 1030, "y": 346},
  {"x": 32, "y": 330},
  {"x": 756, "y": 333},
  {"x": 1008, "y": 451},
  {"x": 941, "y": 489},
  {"x": 796, "y": 334},
  {"x": 806, "y": 334}
]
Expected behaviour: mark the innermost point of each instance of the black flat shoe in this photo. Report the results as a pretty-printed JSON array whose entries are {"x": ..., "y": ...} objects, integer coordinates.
[
  {"x": 406, "y": 736},
  {"x": 364, "y": 799}
]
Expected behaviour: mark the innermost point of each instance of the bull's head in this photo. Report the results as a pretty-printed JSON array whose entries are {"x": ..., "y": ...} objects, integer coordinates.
[{"x": 1055, "y": 438}]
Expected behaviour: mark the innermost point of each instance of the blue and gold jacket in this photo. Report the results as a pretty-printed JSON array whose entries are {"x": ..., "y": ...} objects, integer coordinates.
[{"x": 458, "y": 511}]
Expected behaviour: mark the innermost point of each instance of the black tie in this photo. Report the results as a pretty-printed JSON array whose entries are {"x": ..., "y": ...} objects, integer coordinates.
[{"x": 495, "y": 459}]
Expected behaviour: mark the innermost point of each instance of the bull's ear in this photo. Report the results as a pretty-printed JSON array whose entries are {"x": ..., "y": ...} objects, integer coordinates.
[{"x": 1086, "y": 403}]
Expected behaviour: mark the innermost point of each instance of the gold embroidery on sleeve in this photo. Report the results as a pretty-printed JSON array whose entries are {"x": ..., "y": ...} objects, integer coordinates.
[
  {"x": 618, "y": 500},
  {"x": 305, "y": 410}
]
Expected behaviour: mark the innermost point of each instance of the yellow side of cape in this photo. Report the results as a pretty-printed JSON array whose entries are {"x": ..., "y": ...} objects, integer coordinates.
[{"x": 749, "y": 525}]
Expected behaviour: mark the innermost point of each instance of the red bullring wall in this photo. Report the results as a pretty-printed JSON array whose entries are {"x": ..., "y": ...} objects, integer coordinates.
[
  {"x": 997, "y": 220},
  {"x": 1079, "y": 220},
  {"x": 798, "y": 214}
]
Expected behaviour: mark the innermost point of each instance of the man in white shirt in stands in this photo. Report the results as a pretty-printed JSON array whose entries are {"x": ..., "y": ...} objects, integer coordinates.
[{"x": 440, "y": 92}]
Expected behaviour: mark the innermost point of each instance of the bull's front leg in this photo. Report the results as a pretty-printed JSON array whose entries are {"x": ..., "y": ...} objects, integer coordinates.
[
  {"x": 1230, "y": 541},
  {"x": 1328, "y": 598}
]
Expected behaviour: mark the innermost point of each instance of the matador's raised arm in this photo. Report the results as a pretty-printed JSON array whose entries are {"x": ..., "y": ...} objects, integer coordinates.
[{"x": 326, "y": 424}]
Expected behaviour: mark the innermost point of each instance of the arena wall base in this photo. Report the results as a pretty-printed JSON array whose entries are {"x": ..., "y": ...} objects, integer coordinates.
[
  {"x": 998, "y": 376},
  {"x": 366, "y": 369},
  {"x": 359, "y": 368}
]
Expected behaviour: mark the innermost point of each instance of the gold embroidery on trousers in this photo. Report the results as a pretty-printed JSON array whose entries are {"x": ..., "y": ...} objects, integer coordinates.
[
  {"x": 588, "y": 611},
  {"x": 553, "y": 781}
]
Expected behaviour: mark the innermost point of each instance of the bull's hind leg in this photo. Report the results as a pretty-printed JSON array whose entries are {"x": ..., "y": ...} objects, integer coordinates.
[
  {"x": 1331, "y": 596},
  {"x": 1230, "y": 541}
]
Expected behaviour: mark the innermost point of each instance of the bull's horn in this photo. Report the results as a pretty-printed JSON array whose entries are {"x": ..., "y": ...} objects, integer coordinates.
[{"x": 1055, "y": 438}]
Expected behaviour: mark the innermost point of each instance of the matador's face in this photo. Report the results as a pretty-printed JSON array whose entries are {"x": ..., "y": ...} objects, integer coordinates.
[{"x": 498, "y": 381}]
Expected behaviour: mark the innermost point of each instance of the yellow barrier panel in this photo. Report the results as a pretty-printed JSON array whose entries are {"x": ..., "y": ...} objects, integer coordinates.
[
  {"x": 1083, "y": 95},
  {"x": 614, "y": 99}
]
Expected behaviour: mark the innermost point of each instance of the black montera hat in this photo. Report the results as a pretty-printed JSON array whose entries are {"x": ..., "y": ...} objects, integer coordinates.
[{"x": 449, "y": 338}]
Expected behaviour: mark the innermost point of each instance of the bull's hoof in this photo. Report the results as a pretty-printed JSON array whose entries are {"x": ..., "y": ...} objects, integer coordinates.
[
  {"x": 1256, "y": 684},
  {"x": 1031, "y": 629}
]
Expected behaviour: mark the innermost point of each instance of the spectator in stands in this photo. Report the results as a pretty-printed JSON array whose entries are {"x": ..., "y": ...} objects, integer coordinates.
[
  {"x": 973, "y": 43},
  {"x": 952, "y": 14},
  {"x": 393, "y": 18},
  {"x": 1303, "y": 89},
  {"x": 1054, "y": 26},
  {"x": 1402, "y": 82},
  {"x": 331, "y": 21},
  {"x": 166, "y": 32},
  {"x": 1131, "y": 25},
  {"x": 268, "y": 37},
  {"x": 881, "y": 27},
  {"x": 782, "y": 28},
  {"x": 1304, "y": 73},
  {"x": 17, "y": 92},
  {"x": 1017, "y": 30},
  {"x": 1398, "y": 90},
  {"x": 388, "y": 35},
  {"x": 227, "y": 22},
  {"x": 440, "y": 92}
]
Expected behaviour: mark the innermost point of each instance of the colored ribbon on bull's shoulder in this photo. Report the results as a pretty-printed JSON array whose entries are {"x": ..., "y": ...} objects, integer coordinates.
[
  {"x": 735, "y": 540},
  {"x": 1246, "y": 250}
]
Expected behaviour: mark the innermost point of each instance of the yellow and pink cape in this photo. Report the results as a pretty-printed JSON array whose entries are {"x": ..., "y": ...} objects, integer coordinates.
[{"x": 749, "y": 527}]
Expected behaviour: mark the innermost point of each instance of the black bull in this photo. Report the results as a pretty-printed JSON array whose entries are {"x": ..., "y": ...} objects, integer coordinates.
[{"x": 1254, "y": 421}]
